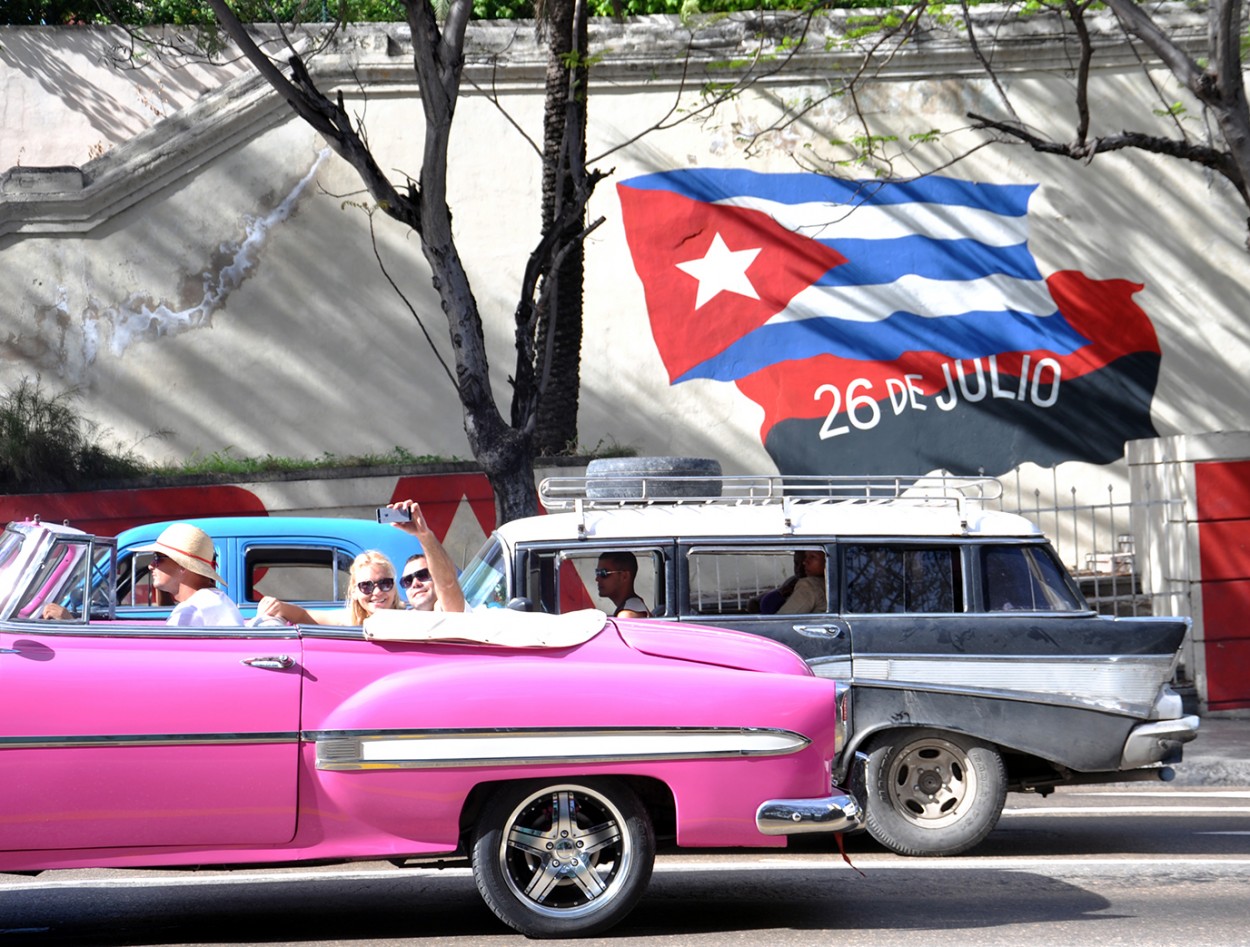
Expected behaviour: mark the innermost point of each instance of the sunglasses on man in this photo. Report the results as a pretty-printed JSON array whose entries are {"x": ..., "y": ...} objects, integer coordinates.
[{"x": 408, "y": 580}]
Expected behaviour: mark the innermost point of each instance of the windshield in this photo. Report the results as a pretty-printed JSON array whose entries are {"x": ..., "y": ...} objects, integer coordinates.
[
  {"x": 43, "y": 567},
  {"x": 484, "y": 580},
  {"x": 60, "y": 579},
  {"x": 12, "y": 562}
]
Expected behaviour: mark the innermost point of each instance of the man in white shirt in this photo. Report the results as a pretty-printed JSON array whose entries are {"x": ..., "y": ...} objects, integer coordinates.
[{"x": 184, "y": 564}]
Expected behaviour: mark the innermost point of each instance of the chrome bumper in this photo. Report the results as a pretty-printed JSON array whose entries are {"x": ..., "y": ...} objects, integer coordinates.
[
  {"x": 839, "y": 812},
  {"x": 1158, "y": 742}
]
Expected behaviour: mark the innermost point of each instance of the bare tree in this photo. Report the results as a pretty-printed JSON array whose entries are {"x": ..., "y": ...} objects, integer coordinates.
[
  {"x": 504, "y": 449},
  {"x": 1211, "y": 69},
  {"x": 1217, "y": 82}
]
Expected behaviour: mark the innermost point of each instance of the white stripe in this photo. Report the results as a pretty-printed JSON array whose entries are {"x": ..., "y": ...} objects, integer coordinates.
[
  {"x": 1166, "y": 793},
  {"x": 647, "y": 744},
  {"x": 920, "y": 295},
  {"x": 821, "y": 220}
]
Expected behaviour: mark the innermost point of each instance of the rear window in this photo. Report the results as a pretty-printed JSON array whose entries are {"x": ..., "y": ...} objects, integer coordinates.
[
  {"x": 900, "y": 579},
  {"x": 296, "y": 573},
  {"x": 1027, "y": 578}
]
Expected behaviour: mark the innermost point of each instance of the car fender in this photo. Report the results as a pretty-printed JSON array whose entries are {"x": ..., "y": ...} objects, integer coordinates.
[{"x": 394, "y": 752}]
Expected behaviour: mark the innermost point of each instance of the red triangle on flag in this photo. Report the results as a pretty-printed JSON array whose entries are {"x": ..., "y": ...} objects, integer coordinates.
[{"x": 665, "y": 230}]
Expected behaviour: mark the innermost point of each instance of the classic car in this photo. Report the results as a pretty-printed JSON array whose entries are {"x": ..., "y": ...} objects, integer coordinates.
[
  {"x": 554, "y": 753},
  {"x": 300, "y": 559},
  {"x": 976, "y": 666}
]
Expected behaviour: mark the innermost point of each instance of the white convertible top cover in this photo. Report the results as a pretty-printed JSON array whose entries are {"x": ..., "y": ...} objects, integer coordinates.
[{"x": 499, "y": 627}]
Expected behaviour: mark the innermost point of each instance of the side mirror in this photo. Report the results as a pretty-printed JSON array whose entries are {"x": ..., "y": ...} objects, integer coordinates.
[{"x": 520, "y": 604}]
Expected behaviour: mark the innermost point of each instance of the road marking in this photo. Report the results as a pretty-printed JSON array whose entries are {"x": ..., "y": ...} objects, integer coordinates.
[
  {"x": 697, "y": 863},
  {"x": 1124, "y": 810},
  {"x": 1171, "y": 794}
]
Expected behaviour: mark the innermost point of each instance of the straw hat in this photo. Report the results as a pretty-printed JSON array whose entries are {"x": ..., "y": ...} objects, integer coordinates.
[{"x": 190, "y": 547}]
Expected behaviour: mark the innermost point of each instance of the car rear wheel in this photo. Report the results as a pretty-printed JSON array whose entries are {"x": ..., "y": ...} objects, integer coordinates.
[
  {"x": 563, "y": 859},
  {"x": 931, "y": 792}
]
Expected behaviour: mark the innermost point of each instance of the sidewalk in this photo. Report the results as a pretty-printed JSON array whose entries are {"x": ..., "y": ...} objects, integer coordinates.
[{"x": 1220, "y": 756}]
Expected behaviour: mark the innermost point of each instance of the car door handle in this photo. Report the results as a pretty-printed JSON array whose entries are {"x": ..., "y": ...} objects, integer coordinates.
[
  {"x": 821, "y": 631},
  {"x": 274, "y": 662}
]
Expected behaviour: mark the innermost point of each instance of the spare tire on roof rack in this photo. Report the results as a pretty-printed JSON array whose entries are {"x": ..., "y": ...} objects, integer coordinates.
[{"x": 652, "y": 478}]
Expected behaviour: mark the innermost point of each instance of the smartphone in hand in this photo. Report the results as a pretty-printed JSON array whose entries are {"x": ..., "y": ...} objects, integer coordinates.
[{"x": 388, "y": 515}]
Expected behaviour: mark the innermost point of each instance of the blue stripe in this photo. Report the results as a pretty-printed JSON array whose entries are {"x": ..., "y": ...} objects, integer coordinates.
[
  {"x": 970, "y": 335},
  {"x": 874, "y": 262},
  {"x": 711, "y": 184}
]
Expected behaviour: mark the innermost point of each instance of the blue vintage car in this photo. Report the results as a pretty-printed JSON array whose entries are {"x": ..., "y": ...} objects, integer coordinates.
[{"x": 301, "y": 559}]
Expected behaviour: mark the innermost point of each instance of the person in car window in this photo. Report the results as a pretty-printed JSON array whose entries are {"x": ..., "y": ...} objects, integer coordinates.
[
  {"x": 809, "y": 591},
  {"x": 370, "y": 588},
  {"x": 184, "y": 564},
  {"x": 614, "y": 577}
]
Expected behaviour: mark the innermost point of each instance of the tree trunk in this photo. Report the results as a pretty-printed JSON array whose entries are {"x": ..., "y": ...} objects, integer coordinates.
[{"x": 560, "y": 323}]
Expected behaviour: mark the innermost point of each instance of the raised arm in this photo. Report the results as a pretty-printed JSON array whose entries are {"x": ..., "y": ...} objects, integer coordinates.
[{"x": 442, "y": 569}]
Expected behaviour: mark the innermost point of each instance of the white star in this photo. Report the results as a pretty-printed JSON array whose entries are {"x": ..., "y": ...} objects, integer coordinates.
[{"x": 722, "y": 271}]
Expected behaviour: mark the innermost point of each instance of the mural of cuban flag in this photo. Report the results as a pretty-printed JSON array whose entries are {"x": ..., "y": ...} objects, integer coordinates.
[{"x": 888, "y": 327}]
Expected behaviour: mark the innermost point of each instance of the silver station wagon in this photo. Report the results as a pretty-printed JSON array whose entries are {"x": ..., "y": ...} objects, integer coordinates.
[{"x": 976, "y": 665}]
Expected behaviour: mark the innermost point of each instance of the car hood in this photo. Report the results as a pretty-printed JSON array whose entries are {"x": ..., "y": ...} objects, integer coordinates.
[{"x": 706, "y": 645}]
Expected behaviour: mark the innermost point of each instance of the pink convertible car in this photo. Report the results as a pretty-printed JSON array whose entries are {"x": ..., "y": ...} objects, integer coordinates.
[{"x": 553, "y": 752}]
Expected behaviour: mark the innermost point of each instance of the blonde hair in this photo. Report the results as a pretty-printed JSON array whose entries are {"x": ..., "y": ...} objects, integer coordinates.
[{"x": 370, "y": 557}]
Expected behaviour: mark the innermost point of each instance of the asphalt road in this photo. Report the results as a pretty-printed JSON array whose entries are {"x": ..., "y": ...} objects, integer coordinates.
[{"x": 1110, "y": 866}]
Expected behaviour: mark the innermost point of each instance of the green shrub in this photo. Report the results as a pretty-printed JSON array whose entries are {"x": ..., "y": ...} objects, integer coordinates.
[{"x": 45, "y": 444}]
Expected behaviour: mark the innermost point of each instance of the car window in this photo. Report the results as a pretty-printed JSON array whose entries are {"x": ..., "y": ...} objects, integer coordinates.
[
  {"x": 61, "y": 580},
  {"x": 1026, "y": 577},
  {"x": 554, "y": 584},
  {"x": 740, "y": 582},
  {"x": 134, "y": 582},
  {"x": 564, "y": 580},
  {"x": 296, "y": 573},
  {"x": 884, "y": 579},
  {"x": 484, "y": 579}
]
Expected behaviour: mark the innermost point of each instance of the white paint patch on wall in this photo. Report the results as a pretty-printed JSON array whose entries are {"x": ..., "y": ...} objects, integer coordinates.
[{"x": 134, "y": 320}]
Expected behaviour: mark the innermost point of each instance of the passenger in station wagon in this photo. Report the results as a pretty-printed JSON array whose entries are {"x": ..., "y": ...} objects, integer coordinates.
[
  {"x": 370, "y": 588},
  {"x": 184, "y": 564},
  {"x": 614, "y": 577},
  {"x": 809, "y": 591}
]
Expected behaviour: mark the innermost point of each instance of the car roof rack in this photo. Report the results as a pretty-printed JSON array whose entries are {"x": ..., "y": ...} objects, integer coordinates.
[{"x": 608, "y": 491}]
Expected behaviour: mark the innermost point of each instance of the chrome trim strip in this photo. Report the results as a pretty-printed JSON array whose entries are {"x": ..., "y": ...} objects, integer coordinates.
[
  {"x": 144, "y": 739},
  {"x": 347, "y": 632},
  {"x": 156, "y": 630},
  {"x": 469, "y": 748},
  {"x": 1126, "y": 684}
]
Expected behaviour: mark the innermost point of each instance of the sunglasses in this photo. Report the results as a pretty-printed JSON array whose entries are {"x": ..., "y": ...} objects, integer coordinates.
[
  {"x": 604, "y": 573},
  {"x": 368, "y": 585},
  {"x": 409, "y": 580},
  {"x": 157, "y": 559}
]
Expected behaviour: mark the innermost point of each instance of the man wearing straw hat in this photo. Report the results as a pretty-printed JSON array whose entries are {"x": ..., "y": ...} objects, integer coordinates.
[{"x": 184, "y": 564}]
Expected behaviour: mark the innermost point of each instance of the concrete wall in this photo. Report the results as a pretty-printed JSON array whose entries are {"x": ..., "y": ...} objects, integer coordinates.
[{"x": 198, "y": 265}]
